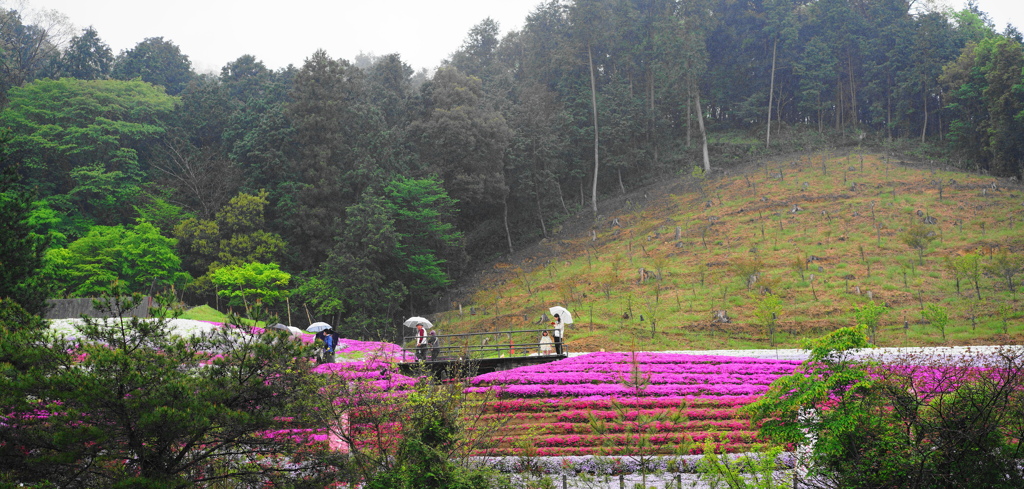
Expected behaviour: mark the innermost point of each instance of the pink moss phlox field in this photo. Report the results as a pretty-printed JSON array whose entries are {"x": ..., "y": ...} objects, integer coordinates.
[
  {"x": 379, "y": 374},
  {"x": 682, "y": 399},
  {"x": 603, "y": 375},
  {"x": 605, "y": 403}
]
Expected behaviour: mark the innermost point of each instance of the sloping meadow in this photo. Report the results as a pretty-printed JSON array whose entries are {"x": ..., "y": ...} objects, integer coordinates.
[{"x": 617, "y": 403}]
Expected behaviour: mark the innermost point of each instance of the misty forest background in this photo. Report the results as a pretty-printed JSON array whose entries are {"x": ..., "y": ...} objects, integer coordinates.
[{"x": 359, "y": 192}]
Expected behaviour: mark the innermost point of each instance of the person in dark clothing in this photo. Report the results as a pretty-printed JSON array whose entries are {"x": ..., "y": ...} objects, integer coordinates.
[{"x": 434, "y": 344}]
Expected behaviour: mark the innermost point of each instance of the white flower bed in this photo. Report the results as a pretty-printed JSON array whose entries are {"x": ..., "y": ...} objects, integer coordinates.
[{"x": 180, "y": 327}]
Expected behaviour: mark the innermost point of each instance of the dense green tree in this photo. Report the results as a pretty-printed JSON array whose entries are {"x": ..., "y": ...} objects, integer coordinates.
[
  {"x": 21, "y": 248},
  {"x": 238, "y": 234},
  {"x": 986, "y": 100},
  {"x": 80, "y": 142},
  {"x": 392, "y": 93},
  {"x": 87, "y": 57},
  {"x": 360, "y": 286},
  {"x": 156, "y": 61},
  {"x": 429, "y": 247},
  {"x": 477, "y": 56},
  {"x": 138, "y": 260},
  {"x": 253, "y": 286},
  {"x": 122, "y": 410},
  {"x": 464, "y": 139},
  {"x": 245, "y": 77},
  {"x": 334, "y": 154},
  {"x": 870, "y": 425}
]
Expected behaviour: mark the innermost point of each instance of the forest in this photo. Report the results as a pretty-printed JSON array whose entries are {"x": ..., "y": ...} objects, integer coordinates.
[{"x": 359, "y": 191}]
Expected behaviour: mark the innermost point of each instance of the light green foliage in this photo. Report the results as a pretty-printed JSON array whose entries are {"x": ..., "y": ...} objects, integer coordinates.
[
  {"x": 1006, "y": 266},
  {"x": 237, "y": 235},
  {"x": 427, "y": 239},
  {"x": 871, "y": 425},
  {"x": 828, "y": 372},
  {"x": 918, "y": 237},
  {"x": 937, "y": 316},
  {"x": 251, "y": 284},
  {"x": 870, "y": 314},
  {"x": 767, "y": 311},
  {"x": 969, "y": 267},
  {"x": 139, "y": 259},
  {"x": 750, "y": 471},
  {"x": 81, "y": 139}
]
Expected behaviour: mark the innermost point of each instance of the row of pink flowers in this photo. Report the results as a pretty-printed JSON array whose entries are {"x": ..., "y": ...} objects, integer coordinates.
[
  {"x": 691, "y": 449},
  {"x": 558, "y": 404},
  {"x": 583, "y": 428}
]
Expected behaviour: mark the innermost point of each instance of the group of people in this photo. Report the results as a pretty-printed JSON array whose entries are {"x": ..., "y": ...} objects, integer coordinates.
[
  {"x": 330, "y": 340},
  {"x": 546, "y": 342}
]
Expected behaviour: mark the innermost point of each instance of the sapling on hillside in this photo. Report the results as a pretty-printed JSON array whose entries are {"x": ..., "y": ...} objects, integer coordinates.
[
  {"x": 1006, "y": 266},
  {"x": 870, "y": 314},
  {"x": 767, "y": 311},
  {"x": 918, "y": 237},
  {"x": 938, "y": 317}
]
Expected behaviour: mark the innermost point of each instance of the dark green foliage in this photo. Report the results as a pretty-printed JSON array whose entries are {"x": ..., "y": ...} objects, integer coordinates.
[
  {"x": 87, "y": 57},
  {"x": 156, "y": 61},
  {"x": 396, "y": 249},
  {"x": 21, "y": 247},
  {"x": 143, "y": 408}
]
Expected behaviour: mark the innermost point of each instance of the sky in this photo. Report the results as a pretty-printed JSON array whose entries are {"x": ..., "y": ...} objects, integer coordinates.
[{"x": 214, "y": 32}]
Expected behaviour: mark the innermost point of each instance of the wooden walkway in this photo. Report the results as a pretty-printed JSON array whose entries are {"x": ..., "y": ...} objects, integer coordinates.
[{"x": 459, "y": 355}]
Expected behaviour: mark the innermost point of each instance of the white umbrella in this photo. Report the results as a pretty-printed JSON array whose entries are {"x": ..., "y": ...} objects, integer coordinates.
[
  {"x": 563, "y": 313},
  {"x": 318, "y": 327},
  {"x": 413, "y": 321},
  {"x": 292, "y": 330}
]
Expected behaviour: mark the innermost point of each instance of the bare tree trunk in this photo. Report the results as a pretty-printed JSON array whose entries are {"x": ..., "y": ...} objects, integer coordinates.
[
  {"x": 771, "y": 93},
  {"x": 593, "y": 104},
  {"x": 561, "y": 197},
  {"x": 621, "y": 186},
  {"x": 924, "y": 124},
  {"x": 689, "y": 109},
  {"x": 507, "y": 233},
  {"x": 888, "y": 106},
  {"x": 540, "y": 214},
  {"x": 703, "y": 133}
]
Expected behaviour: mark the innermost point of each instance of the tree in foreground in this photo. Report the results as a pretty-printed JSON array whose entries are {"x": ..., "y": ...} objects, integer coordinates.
[
  {"x": 907, "y": 422},
  {"x": 129, "y": 404},
  {"x": 396, "y": 432}
]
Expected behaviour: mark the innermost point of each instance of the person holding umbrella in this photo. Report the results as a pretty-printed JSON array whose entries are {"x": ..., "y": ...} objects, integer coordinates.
[
  {"x": 562, "y": 317},
  {"x": 329, "y": 338},
  {"x": 421, "y": 343}
]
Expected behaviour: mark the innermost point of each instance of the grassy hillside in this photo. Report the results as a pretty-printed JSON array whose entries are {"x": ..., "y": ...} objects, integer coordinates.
[{"x": 825, "y": 233}]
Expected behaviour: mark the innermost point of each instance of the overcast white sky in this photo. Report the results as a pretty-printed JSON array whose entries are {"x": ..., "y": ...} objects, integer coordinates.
[{"x": 215, "y": 32}]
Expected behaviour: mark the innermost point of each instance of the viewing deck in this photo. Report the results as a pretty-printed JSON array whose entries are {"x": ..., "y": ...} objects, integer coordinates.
[{"x": 478, "y": 353}]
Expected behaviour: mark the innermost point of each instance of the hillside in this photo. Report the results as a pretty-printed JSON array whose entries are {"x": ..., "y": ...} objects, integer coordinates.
[{"x": 825, "y": 233}]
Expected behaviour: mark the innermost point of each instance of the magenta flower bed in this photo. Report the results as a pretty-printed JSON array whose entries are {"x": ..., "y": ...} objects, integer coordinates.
[{"x": 555, "y": 404}]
